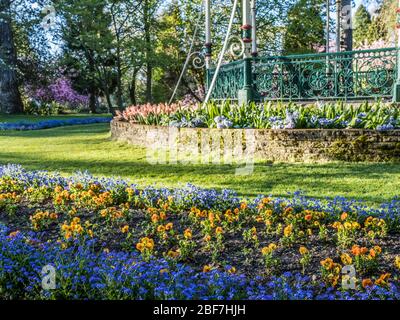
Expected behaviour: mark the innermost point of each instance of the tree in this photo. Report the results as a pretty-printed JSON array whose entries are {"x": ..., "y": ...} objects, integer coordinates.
[
  {"x": 10, "y": 97},
  {"x": 377, "y": 29},
  {"x": 88, "y": 44},
  {"x": 362, "y": 22},
  {"x": 388, "y": 12},
  {"x": 305, "y": 29}
]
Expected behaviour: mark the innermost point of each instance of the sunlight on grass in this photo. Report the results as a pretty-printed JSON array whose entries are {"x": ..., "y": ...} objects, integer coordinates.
[{"x": 89, "y": 147}]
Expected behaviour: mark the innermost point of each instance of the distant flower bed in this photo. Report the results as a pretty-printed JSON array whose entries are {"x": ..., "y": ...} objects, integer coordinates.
[
  {"x": 271, "y": 115},
  {"x": 26, "y": 125},
  {"x": 109, "y": 239}
]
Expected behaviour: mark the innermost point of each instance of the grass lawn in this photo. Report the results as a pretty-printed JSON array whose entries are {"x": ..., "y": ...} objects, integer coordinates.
[{"x": 88, "y": 147}]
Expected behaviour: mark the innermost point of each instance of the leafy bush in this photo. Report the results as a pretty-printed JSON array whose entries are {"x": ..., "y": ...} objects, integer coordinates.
[{"x": 35, "y": 107}]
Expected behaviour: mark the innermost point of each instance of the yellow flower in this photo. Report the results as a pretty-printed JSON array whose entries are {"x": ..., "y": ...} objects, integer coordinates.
[
  {"x": 288, "y": 230},
  {"x": 347, "y": 225},
  {"x": 169, "y": 226},
  {"x": 145, "y": 243},
  {"x": 53, "y": 216},
  {"x": 272, "y": 246},
  {"x": 149, "y": 243},
  {"x": 355, "y": 225},
  {"x": 232, "y": 270},
  {"x": 378, "y": 249},
  {"x": 303, "y": 250},
  {"x": 207, "y": 268},
  {"x": 140, "y": 246},
  {"x": 327, "y": 263},
  {"x": 188, "y": 234},
  {"x": 344, "y": 216},
  {"x": 125, "y": 229},
  {"x": 155, "y": 218},
  {"x": 397, "y": 262},
  {"x": 173, "y": 254},
  {"x": 346, "y": 259},
  {"x": 219, "y": 230},
  {"x": 268, "y": 250},
  {"x": 160, "y": 228},
  {"x": 13, "y": 234},
  {"x": 337, "y": 225}
]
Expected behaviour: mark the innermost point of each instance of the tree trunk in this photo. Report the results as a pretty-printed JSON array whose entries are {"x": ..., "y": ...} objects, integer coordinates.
[
  {"x": 10, "y": 97},
  {"x": 132, "y": 88},
  {"x": 92, "y": 100},
  {"x": 149, "y": 66},
  {"x": 92, "y": 81},
  {"x": 149, "y": 84},
  {"x": 119, "y": 76},
  {"x": 109, "y": 103}
]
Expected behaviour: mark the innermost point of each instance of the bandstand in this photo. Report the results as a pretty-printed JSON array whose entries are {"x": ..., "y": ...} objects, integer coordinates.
[{"x": 341, "y": 75}]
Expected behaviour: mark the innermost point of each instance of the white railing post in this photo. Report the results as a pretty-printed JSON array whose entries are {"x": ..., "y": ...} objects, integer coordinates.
[
  {"x": 254, "y": 49},
  {"x": 208, "y": 44}
]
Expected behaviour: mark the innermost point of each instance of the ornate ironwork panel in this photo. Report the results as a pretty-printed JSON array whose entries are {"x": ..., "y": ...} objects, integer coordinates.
[
  {"x": 347, "y": 75},
  {"x": 230, "y": 80}
]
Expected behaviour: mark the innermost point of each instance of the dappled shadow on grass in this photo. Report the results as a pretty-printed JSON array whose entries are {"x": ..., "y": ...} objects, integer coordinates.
[
  {"x": 317, "y": 180},
  {"x": 88, "y": 147}
]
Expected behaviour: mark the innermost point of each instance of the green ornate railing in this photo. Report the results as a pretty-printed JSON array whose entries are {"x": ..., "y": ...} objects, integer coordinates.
[
  {"x": 369, "y": 74},
  {"x": 230, "y": 80}
]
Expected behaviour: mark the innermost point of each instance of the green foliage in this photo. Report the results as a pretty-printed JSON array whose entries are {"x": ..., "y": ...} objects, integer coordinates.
[
  {"x": 305, "y": 29},
  {"x": 42, "y": 109},
  {"x": 362, "y": 22}
]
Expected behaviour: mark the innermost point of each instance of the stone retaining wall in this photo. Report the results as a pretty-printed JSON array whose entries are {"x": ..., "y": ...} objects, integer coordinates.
[{"x": 298, "y": 145}]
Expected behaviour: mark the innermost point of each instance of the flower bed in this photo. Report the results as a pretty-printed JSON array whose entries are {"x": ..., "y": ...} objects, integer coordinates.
[
  {"x": 110, "y": 239},
  {"x": 271, "y": 115},
  {"x": 25, "y": 125}
]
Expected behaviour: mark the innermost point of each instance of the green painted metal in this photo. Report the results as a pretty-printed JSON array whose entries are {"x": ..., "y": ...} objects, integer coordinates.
[
  {"x": 230, "y": 80},
  {"x": 368, "y": 74}
]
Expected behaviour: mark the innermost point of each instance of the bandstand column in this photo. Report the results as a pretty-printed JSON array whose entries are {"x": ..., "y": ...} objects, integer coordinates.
[
  {"x": 254, "y": 49},
  {"x": 245, "y": 95},
  {"x": 396, "y": 89}
]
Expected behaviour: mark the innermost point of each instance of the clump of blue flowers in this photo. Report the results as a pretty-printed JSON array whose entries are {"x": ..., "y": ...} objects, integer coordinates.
[
  {"x": 26, "y": 125},
  {"x": 83, "y": 273}
]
